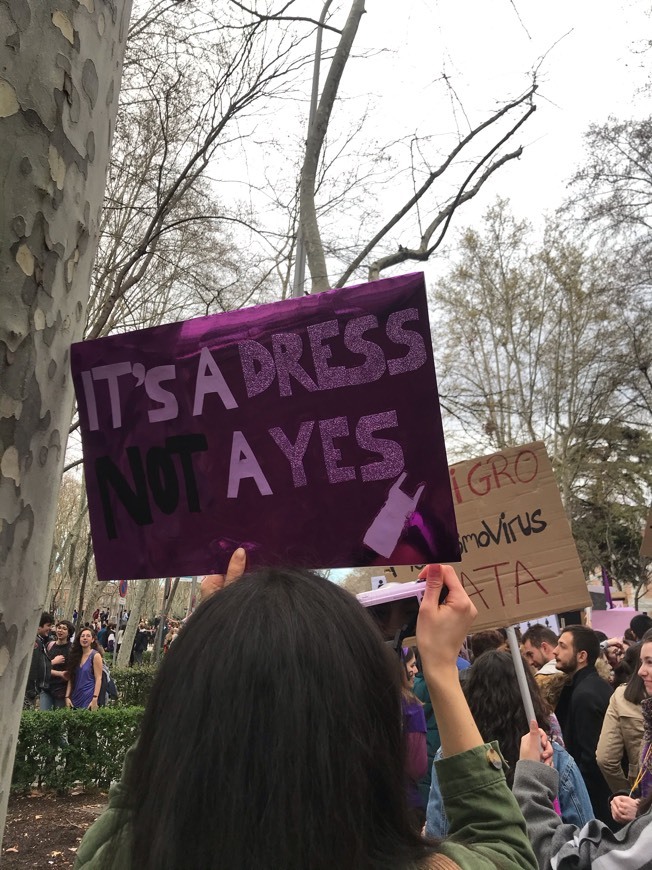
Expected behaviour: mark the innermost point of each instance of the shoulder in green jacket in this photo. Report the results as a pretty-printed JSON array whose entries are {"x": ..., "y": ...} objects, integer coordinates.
[{"x": 487, "y": 828}]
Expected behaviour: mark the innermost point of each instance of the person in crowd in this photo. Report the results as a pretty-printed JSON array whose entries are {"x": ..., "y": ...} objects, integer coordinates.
[
  {"x": 629, "y": 638},
  {"x": 306, "y": 683},
  {"x": 433, "y": 740},
  {"x": 538, "y": 647},
  {"x": 622, "y": 729},
  {"x": 481, "y": 641},
  {"x": 170, "y": 637},
  {"x": 141, "y": 642},
  {"x": 564, "y": 847},
  {"x": 57, "y": 651},
  {"x": 625, "y": 802},
  {"x": 84, "y": 671},
  {"x": 611, "y": 652},
  {"x": 581, "y": 709},
  {"x": 414, "y": 731},
  {"x": 495, "y": 700},
  {"x": 103, "y": 634},
  {"x": 640, "y": 625},
  {"x": 38, "y": 679},
  {"x": 627, "y": 665},
  {"x": 110, "y": 639}
]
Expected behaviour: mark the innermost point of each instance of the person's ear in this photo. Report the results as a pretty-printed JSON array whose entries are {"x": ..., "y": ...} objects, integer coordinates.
[{"x": 582, "y": 656}]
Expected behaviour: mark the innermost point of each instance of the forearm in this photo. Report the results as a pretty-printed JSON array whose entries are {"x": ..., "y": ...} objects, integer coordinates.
[
  {"x": 97, "y": 673},
  {"x": 457, "y": 727},
  {"x": 535, "y": 787}
]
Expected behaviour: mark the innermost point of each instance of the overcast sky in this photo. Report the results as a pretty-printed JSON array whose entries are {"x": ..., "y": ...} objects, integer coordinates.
[{"x": 590, "y": 70}]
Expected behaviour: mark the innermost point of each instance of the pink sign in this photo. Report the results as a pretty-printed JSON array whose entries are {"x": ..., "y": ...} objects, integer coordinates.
[{"x": 307, "y": 431}]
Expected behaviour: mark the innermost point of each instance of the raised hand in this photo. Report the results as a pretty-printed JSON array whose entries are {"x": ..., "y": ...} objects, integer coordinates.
[{"x": 214, "y": 582}]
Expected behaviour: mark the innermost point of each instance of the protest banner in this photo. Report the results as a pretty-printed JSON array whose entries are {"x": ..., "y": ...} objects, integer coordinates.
[
  {"x": 307, "y": 431},
  {"x": 646, "y": 543},
  {"x": 519, "y": 559}
]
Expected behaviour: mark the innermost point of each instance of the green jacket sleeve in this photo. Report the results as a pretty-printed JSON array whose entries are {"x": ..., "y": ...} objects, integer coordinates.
[
  {"x": 109, "y": 835},
  {"x": 487, "y": 828}
]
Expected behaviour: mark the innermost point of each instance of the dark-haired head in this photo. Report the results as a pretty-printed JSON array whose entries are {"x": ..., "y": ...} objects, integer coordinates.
[
  {"x": 640, "y": 624},
  {"x": 70, "y": 628},
  {"x": 578, "y": 647},
  {"x": 481, "y": 641},
  {"x": 76, "y": 651},
  {"x": 272, "y": 737},
  {"x": 495, "y": 701},
  {"x": 628, "y": 665}
]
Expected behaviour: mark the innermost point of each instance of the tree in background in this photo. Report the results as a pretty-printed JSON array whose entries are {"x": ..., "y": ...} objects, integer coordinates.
[
  {"x": 530, "y": 346},
  {"x": 612, "y": 197},
  {"x": 609, "y": 503}
]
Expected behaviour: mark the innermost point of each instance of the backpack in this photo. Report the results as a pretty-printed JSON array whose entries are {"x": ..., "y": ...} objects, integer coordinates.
[{"x": 108, "y": 688}]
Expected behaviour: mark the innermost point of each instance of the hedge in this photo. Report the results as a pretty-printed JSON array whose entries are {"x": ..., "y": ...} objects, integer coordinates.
[
  {"x": 65, "y": 748},
  {"x": 134, "y": 685}
]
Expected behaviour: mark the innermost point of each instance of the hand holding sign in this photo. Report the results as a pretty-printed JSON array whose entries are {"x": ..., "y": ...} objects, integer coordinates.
[
  {"x": 442, "y": 628},
  {"x": 214, "y": 582},
  {"x": 535, "y": 745}
]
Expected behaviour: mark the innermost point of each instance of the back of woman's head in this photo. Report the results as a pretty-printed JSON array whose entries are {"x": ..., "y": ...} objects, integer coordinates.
[
  {"x": 272, "y": 738},
  {"x": 627, "y": 665},
  {"x": 635, "y": 690},
  {"x": 495, "y": 701}
]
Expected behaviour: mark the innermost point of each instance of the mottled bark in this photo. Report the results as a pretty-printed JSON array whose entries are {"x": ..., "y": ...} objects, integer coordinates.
[{"x": 60, "y": 69}]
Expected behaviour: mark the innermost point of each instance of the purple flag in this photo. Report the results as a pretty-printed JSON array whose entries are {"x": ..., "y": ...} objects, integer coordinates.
[
  {"x": 607, "y": 588},
  {"x": 307, "y": 431}
]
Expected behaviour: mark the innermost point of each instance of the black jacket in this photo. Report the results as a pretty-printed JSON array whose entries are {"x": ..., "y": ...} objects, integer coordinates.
[
  {"x": 39, "y": 670},
  {"x": 581, "y": 709}
]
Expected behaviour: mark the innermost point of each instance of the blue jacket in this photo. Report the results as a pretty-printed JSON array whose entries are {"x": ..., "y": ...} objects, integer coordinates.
[{"x": 574, "y": 800}]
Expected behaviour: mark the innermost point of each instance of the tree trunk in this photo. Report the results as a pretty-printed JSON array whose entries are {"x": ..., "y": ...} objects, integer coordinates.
[
  {"x": 60, "y": 70},
  {"x": 314, "y": 143},
  {"x": 167, "y": 604},
  {"x": 82, "y": 592},
  {"x": 136, "y": 600}
]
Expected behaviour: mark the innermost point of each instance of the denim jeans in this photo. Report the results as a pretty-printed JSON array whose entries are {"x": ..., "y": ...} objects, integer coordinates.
[{"x": 49, "y": 702}]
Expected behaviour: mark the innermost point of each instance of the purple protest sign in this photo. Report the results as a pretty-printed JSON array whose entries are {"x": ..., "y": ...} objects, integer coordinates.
[{"x": 307, "y": 431}]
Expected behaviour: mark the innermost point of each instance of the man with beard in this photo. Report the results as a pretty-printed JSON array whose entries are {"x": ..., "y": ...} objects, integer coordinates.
[{"x": 581, "y": 709}]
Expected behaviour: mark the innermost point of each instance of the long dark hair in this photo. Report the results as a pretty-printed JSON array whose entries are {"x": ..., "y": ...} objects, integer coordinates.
[
  {"x": 272, "y": 738},
  {"x": 626, "y": 672},
  {"x": 495, "y": 701},
  {"x": 76, "y": 652},
  {"x": 635, "y": 691}
]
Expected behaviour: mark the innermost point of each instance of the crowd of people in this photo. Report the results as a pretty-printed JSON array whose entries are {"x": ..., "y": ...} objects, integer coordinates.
[
  {"x": 325, "y": 734},
  {"x": 341, "y": 750},
  {"x": 70, "y": 666}
]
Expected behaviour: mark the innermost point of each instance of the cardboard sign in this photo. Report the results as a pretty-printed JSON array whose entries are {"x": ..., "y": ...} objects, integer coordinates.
[
  {"x": 519, "y": 560},
  {"x": 646, "y": 543},
  {"x": 307, "y": 431}
]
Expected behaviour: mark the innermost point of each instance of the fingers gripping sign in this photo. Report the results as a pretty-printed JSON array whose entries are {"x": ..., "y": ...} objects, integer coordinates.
[
  {"x": 443, "y": 625},
  {"x": 214, "y": 582},
  {"x": 535, "y": 745}
]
